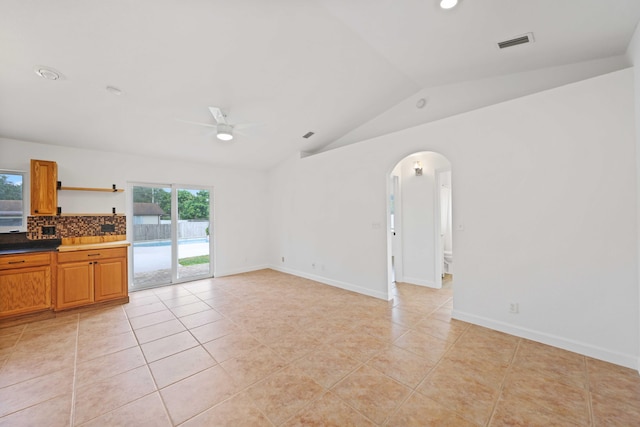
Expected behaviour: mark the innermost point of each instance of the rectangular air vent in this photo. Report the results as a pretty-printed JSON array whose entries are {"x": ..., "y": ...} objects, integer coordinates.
[
  {"x": 308, "y": 135},
  {"x": 523, "y": 39}
]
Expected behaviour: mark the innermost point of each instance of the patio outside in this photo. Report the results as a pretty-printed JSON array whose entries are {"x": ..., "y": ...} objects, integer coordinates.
[{"x": 153, "y": 261}]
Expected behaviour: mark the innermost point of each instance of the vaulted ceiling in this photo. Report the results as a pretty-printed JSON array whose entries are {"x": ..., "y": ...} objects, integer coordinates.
[{"x": 345, "y": 70}]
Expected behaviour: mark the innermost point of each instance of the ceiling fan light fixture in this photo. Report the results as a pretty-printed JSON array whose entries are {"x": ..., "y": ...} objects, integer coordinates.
[
  {"x": 224, "y": 132},
  {"x": 448, "y": 4}
]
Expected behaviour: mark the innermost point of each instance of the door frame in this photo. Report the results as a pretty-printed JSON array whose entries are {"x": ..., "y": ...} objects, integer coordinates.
[
  {"x": 396, "y": 240},
  {"x": 438, "y": 224}
]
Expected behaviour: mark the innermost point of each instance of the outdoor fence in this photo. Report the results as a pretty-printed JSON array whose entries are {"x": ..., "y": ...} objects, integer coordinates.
[{"x": 186, "y": 230}]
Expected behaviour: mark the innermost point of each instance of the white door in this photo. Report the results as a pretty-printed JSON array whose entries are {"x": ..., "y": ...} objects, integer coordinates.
[{"x": 396, "y": 229}]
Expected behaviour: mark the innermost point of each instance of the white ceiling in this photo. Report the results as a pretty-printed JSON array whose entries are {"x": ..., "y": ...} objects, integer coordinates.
[{"x": 344, "y": 69}]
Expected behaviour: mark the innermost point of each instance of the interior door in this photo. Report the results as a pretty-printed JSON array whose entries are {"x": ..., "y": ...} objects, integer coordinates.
[{"x": 396, "y": 229}]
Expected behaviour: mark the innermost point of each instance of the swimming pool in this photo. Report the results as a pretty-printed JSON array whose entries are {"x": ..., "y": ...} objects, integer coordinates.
[{"x": 168, "y": 242}]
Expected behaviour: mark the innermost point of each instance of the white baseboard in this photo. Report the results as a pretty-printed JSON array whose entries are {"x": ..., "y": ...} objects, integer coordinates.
[
  {"x": 240, "y": 270},
  {"x": 627, "y": 360},
  {"x": 334, "y": 283},
  {"x": 420, "y": 282}
]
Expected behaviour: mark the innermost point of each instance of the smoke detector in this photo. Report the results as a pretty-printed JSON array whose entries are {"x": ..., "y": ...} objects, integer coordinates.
[{"x": 48, "y": 73}]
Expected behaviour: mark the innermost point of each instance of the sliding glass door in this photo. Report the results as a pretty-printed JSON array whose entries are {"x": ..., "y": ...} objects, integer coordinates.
[
  {"x": 194, "y": 255},
  {"x": 171, "y": 234}
]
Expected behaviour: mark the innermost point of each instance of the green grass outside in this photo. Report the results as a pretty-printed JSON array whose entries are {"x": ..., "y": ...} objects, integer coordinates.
[{"x": 200, "y": 259}]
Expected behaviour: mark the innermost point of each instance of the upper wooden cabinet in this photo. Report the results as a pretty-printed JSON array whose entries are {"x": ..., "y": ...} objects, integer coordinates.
[{"x": 44, "y": 193}]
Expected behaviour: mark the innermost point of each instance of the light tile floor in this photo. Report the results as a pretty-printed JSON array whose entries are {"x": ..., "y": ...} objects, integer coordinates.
[{"x": 266, "y": 348}]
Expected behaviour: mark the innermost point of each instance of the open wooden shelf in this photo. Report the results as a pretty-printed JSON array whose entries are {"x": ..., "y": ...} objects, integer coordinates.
[{"x": 113, "y": 189}]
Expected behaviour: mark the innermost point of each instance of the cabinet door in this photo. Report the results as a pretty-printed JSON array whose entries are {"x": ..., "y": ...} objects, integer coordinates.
[
  {"x": 75, "y": 285},
  {"x": 44, "y": 194},
  {"x": 25, "y": 290},
  {"x": 110, "y": 278}
]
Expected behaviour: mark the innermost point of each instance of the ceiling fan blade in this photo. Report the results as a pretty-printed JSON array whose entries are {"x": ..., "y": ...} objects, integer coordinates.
[
  {"x": 247, "y": 125},
  {"x": 218, "y": 115},
  {"x": 197, "y": 123}
]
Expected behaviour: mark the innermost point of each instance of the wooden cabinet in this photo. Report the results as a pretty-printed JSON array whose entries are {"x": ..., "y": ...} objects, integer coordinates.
[
  {"x": 110, "y": 279},
  {"x": 91, "y": 276},
  {"x": 75, "y": 285},
  {"x": 45, "y": 186},
  {"x": 44, "y": 193},
  {"x": 25, "y": 283}
]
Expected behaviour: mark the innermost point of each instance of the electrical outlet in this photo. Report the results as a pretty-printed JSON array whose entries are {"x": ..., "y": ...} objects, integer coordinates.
[
  {"x": 313, "y": 265},
  {"x": 48, "y": 230},
  {"x": 282, "y": 259},
  {"x": 108, "y": 228},
  {"x": 514, "y": 308}
]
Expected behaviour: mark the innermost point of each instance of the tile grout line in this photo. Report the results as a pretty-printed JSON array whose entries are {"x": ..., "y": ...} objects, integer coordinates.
[
  {"x": 201, "y": 345},
  {"x": 592, "y": 418},
  {"x": 13, "y": 350},
  {"x": 155, "y": 384},
  {"x": 415, "y": 390},
  {"x": 504, "y": 378},
  {"x": 75, "y": 370}
]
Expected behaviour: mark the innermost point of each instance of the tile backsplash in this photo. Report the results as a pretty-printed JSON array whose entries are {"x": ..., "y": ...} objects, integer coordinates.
[{"x": 39, "y": 227}]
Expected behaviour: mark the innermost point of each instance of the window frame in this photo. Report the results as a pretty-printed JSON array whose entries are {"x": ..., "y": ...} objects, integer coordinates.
[{"x": 25, "y": 202}]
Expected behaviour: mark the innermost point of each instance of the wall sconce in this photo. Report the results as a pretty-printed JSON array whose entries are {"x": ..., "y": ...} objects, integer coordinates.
[{"x": 417, "y": 166}]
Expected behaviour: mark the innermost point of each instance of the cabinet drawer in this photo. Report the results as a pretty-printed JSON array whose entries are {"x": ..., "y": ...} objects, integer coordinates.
[
  {"x": 24, "y": 260},
  {"x": 91, "y": 255}
]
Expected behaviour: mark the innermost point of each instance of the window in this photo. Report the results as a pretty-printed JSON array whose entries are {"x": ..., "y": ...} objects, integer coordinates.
[{"x": 12, "y": 214}]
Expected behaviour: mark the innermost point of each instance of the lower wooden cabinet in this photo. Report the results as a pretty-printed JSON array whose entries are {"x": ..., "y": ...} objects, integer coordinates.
[
  {"x": 110, "y": 278},
  {"x": 75, "y": 285},
  {"x": 25, "y": 283},
  {"x": 90, "y": 276}
]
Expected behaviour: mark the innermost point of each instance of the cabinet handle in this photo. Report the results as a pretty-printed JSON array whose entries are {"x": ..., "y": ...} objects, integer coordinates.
[
  {"x": 16, "y": 262},
  {"x": 93, "y": 255}
]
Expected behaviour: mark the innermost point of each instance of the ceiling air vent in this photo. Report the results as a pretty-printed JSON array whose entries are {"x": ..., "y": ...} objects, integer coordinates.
[
  {"x": 308, "y": 135},
  {"x": 523, "y": 39}
]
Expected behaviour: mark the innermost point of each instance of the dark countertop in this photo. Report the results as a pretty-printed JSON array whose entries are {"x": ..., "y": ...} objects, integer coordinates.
[
  {"x": 17, "y": 243},
  {"x": 25, "y": 250}
]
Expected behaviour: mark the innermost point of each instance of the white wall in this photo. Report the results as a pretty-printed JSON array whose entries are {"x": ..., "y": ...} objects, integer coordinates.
[
  {"x": 633, "y": 53},
  {"x": 240, "y": 196},
  {"x": 418, "y": 218},
  {"x": 545, "y": 191}
]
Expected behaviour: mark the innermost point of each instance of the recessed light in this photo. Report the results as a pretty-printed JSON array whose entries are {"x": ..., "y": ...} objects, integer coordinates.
[
  {"x": 448, "y": 4},
  {"x": 48, "y": 73},
  {"x": 421, "y": 103},
  {"x": 114, "y": 90}
]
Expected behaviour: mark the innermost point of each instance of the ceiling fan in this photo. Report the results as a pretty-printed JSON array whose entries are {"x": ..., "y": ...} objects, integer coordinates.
[{"x": 223, "y": 129}]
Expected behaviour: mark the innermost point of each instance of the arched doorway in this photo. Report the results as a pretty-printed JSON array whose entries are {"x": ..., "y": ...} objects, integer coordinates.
[{"x": 420, "y": 243}]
